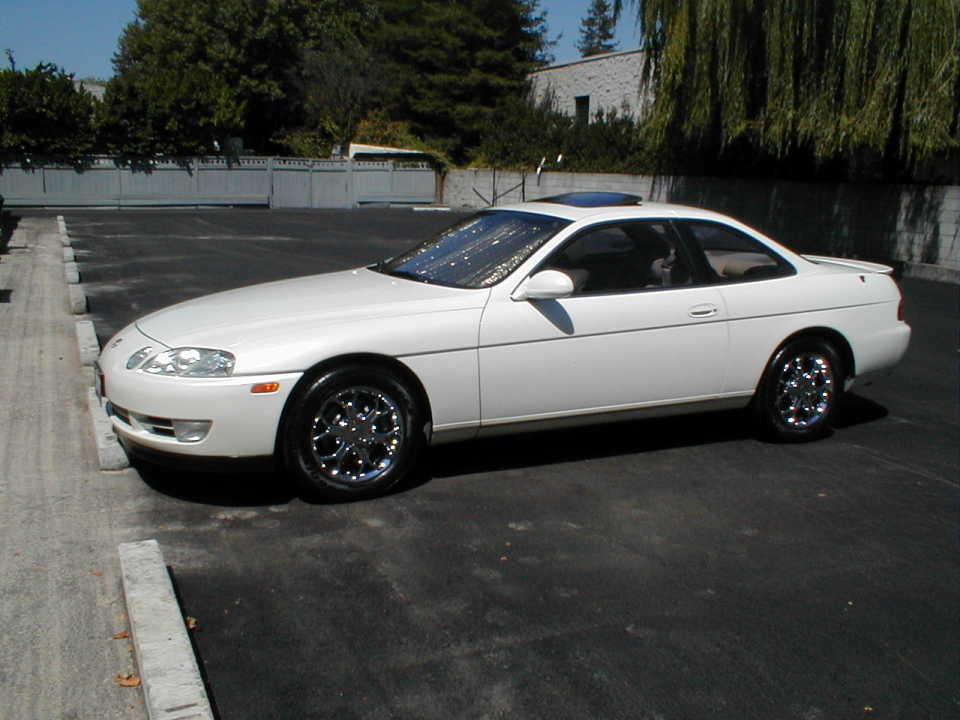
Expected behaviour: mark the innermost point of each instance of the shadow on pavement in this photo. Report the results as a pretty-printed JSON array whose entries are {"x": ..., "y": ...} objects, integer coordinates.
[
  {"x": 8, "y": 223},
  {"x": 511, "y": 452},
  {"x": 588, "y": 443},
  {"x": 600, "y": 441},
  {"x": 201, "y": 665},
  {"x": 207, "y": 488},
  {"x": 856, "y": 410}
]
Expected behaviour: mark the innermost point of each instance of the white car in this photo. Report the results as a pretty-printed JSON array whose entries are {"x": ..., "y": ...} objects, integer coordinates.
[{"x": 576, "y": 309}]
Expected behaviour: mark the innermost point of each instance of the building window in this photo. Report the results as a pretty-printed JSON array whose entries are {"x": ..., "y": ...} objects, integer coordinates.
[{"x": 583, "y": 108}]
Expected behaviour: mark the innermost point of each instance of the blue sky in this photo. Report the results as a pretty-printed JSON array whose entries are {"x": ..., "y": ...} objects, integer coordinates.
[{"x": 81, "y": 35}]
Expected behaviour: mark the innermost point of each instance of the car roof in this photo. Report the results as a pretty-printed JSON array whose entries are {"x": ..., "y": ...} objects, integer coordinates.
[
  {"x": 558, "y": 206},
  {"x": 639, "y": 209}
]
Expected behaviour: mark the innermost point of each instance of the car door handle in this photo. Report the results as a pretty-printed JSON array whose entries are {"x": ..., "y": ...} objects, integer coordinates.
[{"x": 703, "y": 311}]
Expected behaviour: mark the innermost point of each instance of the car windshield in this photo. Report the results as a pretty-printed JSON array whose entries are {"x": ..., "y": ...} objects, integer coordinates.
[{"x": 478, "y": 252}]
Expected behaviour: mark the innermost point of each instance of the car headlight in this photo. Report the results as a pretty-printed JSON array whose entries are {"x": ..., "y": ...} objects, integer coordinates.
[
  {"x": 138, "y": 357},
  {"x": 190, "y": 362}
]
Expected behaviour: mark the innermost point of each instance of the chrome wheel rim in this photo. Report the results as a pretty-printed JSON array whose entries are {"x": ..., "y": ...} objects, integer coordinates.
[
  {"x": 805, "y": 389},
  {"x": 356, "y": 435}
]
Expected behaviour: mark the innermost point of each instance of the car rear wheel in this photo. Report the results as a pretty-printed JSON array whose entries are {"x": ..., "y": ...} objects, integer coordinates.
[
  {"x": 352, "y": 432},
  {"x": 799, "y": 390}
]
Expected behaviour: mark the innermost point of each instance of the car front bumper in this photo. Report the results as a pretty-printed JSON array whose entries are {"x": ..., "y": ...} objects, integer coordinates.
[{"x": 144, "y": 407}]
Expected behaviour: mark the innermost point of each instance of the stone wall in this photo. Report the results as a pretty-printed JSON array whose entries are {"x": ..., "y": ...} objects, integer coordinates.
[
  {"x": 917, "y": 226},
  {"x": 612, "y": 82}
]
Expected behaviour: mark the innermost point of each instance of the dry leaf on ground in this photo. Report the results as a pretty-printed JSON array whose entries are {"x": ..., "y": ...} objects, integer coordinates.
[
  {"x": 127, "y": 680},
  {"x": 121, "y": 635}
]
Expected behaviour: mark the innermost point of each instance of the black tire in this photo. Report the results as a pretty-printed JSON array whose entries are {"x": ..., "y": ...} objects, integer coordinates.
[
  {"x": 352, "y": 432},
  {"x": 799, "y": 391}
]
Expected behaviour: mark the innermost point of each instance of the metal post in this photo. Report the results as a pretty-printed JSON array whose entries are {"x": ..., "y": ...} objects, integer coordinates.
[
  {"x": 313, "y": 203},
  {"x": 392, "y": 187},
  {"x": 270, "y": 182},
  {"x": 351, "y": 187}
]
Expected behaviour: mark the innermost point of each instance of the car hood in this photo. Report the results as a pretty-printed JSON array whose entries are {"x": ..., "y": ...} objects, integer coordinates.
[{"x": 228, "y": 319}]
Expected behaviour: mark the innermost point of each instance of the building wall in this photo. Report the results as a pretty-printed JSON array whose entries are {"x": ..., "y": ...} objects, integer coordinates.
[
  {"x": 94, "y": 87},
  {"x": 916, "y": 225},
  {"x": 612, "y": 82}
]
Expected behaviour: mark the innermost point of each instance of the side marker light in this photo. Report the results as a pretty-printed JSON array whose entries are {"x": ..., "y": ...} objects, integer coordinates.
[{"x": 262, "y": 388}]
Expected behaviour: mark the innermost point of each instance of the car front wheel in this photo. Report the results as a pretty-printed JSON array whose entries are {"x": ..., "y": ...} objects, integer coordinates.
[
  {"x": 352, "y": 432},
  {"x": 799, "y": 390}
]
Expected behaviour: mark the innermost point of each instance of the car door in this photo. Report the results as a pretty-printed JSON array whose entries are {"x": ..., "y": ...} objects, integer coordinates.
[
  {"x": 637, "y": 331},
  {"x": 764, "y": 302}
]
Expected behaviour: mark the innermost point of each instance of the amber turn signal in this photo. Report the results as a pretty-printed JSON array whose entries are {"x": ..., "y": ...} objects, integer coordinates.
[{"x": 260, "y": 388}]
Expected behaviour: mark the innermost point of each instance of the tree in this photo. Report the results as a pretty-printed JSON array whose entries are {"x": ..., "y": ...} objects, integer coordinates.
[
  {"x": 451, "y": 63},
  {"x": 597, "y": 29},
  {"x": 805, "y": 80},
  {"x": 339, "y": 83},
  {"x": 192, "y": 72},
  {"x": 43, "y": 113},
  {"x": 523, "y": 130}
]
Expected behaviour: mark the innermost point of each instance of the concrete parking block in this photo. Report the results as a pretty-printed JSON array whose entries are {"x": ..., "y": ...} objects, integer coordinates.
[
  {"x": 87, "y": 341},
  {"x": 68, "y": 256},
  {"x": 72, "y": 273},
  {"x": 61, "y": 225},
  {"x": 77, "y": 299},
  {"x": 172, "y": 684},
  {"x": 109, "y": 450}
]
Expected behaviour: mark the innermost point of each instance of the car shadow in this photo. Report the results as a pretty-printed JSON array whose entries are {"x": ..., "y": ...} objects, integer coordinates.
[
  {"x": 592, "y": 442},
  {"x": 510, "y": 452},
  {"x": 856, "y": 410},
  {"x": 227, "y": 489}
]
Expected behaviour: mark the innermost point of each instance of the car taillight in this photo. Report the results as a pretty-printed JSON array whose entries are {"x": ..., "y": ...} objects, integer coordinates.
[{"x": 900, "y": 310}]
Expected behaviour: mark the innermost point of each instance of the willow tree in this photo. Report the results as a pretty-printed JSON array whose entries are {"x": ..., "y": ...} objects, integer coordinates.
[{"x": 827, "y": 79}]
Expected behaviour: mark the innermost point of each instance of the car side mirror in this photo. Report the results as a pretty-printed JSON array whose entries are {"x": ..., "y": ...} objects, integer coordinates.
[{"x": 545, "y": 285}]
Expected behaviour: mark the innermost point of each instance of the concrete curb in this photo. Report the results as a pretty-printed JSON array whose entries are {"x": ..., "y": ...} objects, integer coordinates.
[
  {"x": 68, "y": 255},
  {"x": 77, "y": 299},
  {"x": 71, "y": 273},
  {"x": 109, "y": 451},
  {"x": 172, "y": 685},
  {"x": 87, "y": 340}
]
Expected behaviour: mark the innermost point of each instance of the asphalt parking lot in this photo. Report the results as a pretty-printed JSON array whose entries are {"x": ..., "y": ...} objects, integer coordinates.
[{"x": 673, "y": 568}]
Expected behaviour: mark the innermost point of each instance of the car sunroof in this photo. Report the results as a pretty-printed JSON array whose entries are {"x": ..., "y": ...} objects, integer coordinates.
[{"x": 593, "y": 199}]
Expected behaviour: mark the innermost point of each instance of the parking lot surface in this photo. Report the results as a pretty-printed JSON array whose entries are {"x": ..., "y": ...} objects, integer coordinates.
[{"x": 674, "y": 568}]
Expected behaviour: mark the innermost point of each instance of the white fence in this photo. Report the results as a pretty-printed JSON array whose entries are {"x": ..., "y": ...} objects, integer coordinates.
[{"x": 277, "y": 182}]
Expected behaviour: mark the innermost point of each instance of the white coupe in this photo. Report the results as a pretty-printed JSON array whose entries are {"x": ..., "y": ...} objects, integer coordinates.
[{"x": 575, "y": 309}]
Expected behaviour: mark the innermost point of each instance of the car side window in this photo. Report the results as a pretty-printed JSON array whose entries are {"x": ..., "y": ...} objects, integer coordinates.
[
  {"x": 733, "y": 256},
  {"x": 623, "y": 257}
]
